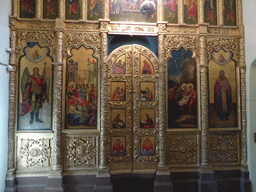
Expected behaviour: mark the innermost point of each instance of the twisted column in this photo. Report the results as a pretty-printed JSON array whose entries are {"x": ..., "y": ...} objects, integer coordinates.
[
  {"x": 39, "y": 9},
  {"x": 15, "y": 8},
  {"x": 84, "y": 10},
  {"x": 104, "y": 99},
  {"x": 57, "y": 103},
  {"x": 105, "y": 9},
  {"x": 61, "y": 9}
]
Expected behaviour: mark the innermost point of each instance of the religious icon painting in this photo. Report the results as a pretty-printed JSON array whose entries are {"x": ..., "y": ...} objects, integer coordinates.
[
  {"x": 190, "y": 11},
  {"x": 133, "y": 10},
  {"x": 146, "y": 66},
  {"x": 94, "y": 9},
  {"x": 81, "y": 88},
  {"x": 118, "y": 117},
  {"x": 147, "y": 145},
  {"x": 222, "y": 90},
  {"x": 50, "y": 9},
  {"x": 170, "y": 11},
  {"x": 147, "y": 118},
  {"x": 119, "y": 65},
  {"x": 35, "y": 88},
  {"x": 182, "y": 90},
  {"x": 27, "y": 8},
  {"x": 229, "y": 12},
  {"x": 72, "y": 9},
  {"x": 210, "y": 12},
  {"x": 118, "y": 90},
  {"x": 118, "y": 146},
  {"x": 147, "y": 91}
]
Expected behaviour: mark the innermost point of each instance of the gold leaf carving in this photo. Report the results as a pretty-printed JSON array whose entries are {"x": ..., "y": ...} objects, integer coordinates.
[
  {"x": 36, "y": 152},
  {"x": 183, "y": 149}
]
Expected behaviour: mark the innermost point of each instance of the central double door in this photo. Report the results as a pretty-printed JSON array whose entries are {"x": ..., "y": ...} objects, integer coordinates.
[{"x": 133, "y": 109}]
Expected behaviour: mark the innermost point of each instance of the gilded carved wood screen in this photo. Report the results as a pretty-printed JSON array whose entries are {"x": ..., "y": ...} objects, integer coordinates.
[{"x": 75, "y": 107}]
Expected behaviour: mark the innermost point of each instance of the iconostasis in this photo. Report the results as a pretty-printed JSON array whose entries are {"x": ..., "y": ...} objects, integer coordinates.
[{"x": 126, "y": 84}]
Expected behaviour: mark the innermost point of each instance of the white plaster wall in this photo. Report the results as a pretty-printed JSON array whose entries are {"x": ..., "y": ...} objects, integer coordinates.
[
  {"x": 249, "y": 18},
  {"x": 5, "y": 11}
]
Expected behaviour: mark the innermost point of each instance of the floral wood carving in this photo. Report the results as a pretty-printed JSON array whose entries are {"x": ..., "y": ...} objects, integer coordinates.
[
  {"x": 224, "y": 148},
  {"x": 36, "y": 152},
  {"x": 183, "y": 149}
]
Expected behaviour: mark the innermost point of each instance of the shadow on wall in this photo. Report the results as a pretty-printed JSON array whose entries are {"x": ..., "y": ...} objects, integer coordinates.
[{"x": 251, "y": 116}]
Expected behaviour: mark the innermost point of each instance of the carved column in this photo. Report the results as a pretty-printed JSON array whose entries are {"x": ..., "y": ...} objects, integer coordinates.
[
  {"x": 243, "y": 104},
  {"x": 84, "y": 10},
  {"x": 162, "y": 104},
  {"x": 181, "y": 12},
  {"x": 204, "y": 101},
  {"x": 220, "y": 4},
  {"x": 160, "y": 11},
  {"x": 10, "y": 177},
  {"x": 104, "y": 98},
  {"x": 61, "y": 9},
  {"x": 15, "y": 8},
  {"x": 105, "y": 9},
  {"x": 201, "y": 11},
  {"x": 39, "y": 9},
  {"x": 57, "y": 102},
  {"x": 163, "y": 179}
]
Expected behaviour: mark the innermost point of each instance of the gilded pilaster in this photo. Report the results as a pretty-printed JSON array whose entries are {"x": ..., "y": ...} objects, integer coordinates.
[
  {"x": 39, "y": 9},
  {"x": 204, "y": 101},
  {"x": 57, "y": 102},
  {"x": 181, "y": 12},
  {"x": 12, "y": 103},
  {"x": 61, "y": 9},
  {"x": 104, "y": 99}
]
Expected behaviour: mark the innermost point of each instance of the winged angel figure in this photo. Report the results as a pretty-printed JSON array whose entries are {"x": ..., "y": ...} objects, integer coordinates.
[{"x": 35, "y": 91}]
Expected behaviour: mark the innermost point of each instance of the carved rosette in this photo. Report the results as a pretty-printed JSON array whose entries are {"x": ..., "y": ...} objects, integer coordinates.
[
  {"x": 81, "y": 152},
  {"x": 104, "y": 101},
  {"x": 35, "y": 153},
  {"x": 183, "y": 150},
  {"x": 76, "y": 39},
  {"x": 224, "y": 148}
]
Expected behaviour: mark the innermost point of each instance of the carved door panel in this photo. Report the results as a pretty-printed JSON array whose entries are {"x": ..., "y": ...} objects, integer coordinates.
[{"x": 133, "y": 109}]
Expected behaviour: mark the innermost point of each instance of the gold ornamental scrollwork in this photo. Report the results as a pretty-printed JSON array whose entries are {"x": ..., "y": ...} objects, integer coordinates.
[
  {"x": 75, "y": 39},
  {"x": 36, "y": 152},
  {"x": 81, "y": 152},
  {"x": 217, "y": 44},
  {"x": 183, "y": 149},
  {"x": 224, "y": 149},
  {"x": 43, "y": 37},
  {"x": 174, "y": 41}
]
